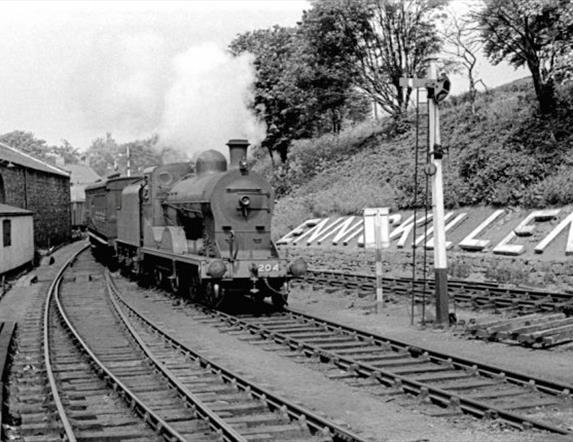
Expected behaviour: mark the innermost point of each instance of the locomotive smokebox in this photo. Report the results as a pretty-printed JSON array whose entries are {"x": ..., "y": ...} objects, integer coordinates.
[{"x": 237, "y": 152}]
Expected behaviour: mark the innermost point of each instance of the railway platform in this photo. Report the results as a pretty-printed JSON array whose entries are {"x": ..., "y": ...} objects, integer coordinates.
[{"x": 16, "y": 301}]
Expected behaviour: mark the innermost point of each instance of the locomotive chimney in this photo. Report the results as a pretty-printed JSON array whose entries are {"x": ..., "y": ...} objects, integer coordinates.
[{"x": 237, "y": 152}]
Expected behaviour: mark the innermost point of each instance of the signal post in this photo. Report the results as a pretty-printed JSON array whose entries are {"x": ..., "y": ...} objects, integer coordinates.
[{"x": 437, "y": 91}]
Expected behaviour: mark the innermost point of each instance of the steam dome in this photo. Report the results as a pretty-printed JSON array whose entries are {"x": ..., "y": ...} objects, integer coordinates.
[{"x": 210, "y": 161}]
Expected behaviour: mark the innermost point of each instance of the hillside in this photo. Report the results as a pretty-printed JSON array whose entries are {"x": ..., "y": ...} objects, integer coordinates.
[{"x": 504, "y": 154}]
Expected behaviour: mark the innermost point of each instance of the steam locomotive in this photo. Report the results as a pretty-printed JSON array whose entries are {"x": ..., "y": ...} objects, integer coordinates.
[{"x": 203, "y": 232}]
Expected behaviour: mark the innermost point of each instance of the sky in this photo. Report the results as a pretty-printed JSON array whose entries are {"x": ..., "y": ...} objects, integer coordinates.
[{"x": 76, "y": 70}]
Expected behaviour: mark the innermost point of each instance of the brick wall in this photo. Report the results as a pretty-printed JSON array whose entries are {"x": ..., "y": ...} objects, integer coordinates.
[{"x": 47, "y": 195}]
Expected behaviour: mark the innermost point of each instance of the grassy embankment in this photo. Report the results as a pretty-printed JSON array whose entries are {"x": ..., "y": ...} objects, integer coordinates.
[{"x": 504, "y": 154}]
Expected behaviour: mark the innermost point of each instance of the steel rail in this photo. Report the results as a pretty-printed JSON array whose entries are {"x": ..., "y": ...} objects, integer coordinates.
[
  {"x": 52, "y": 292},
  {"x": 151, "y": 418},
  {"x": 435, "y": 394},
  {"x": 490, "y": 292},
  {"x": 545, "y": 385},
  {"x": 295, "y": 412},
  {"x": 214, "y": 421}
]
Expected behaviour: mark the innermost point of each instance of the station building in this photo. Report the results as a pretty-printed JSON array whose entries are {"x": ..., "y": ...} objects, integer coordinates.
[
  {"x": 41, "y": 188},
  {"x": 16, "y": 238}
]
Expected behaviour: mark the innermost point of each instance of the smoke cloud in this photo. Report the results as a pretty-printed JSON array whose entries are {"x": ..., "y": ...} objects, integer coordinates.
[
  {"x": 208, "y": 102},
  {"x": 121, "y": 82},
  {"x": 135, "y": 86}
]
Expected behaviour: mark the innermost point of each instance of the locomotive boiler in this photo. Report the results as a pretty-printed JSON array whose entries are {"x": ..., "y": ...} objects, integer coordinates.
[{"x": 204, "y": 232}]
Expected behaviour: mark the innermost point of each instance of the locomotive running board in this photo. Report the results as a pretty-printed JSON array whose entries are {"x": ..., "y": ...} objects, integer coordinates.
[{"x": 97, "y": 238}]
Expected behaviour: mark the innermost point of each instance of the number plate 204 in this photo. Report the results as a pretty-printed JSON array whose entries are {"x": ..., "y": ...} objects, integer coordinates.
[{"x": 268, "y": 267}]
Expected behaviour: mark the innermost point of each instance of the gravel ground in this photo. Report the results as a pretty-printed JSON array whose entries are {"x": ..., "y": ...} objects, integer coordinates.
[{"x": 377, "y": 417}]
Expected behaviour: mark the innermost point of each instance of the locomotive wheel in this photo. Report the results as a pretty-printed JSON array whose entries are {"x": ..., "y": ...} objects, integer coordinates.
[
  {"x": 158, "y": 278},
  {"x": 145, "y": 277},
  {"x": 174, "y": 283},
  {"x": 194, "y": 289},
  {"x": 213, "y": 295},
  {"x": 279, "y": 300}
]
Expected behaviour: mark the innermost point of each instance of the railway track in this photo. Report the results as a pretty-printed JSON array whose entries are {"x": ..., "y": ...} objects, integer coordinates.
[
  {"x": 467, "y": 293},
  {"x": 456, "y": 385},
  {"x": 114, "y": 375}
]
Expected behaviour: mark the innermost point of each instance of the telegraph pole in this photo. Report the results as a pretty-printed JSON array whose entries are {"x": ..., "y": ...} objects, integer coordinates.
[
  {"x": 128, "y": 160},
  {"x": 437, "y": 90}
]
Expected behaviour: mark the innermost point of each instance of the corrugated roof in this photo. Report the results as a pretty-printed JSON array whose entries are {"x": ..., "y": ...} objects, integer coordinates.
[
  {"x": 15, "y": 156},
  {"x": 5, "y": 209},
  {"x": 82, "y": 174}
]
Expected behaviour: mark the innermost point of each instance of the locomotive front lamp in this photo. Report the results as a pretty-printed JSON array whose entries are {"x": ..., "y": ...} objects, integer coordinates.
[
  {"x": 217, "y": 269},
  {"x": 243, "y": 166},
  {"x": 298, "y": 268},
  {"x": 244, "y": 203}
]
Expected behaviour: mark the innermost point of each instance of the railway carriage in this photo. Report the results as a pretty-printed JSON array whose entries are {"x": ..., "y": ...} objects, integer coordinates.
[
  {"x": 103, "y": 200},
  {"x": 204, "y": 232}
]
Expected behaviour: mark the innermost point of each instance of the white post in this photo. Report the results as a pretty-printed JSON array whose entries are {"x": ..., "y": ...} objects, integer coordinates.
[
  {"x": 377, "y": 235},
  {"x": 440, "y": 258},
  {"x": 128, "y": 166}
]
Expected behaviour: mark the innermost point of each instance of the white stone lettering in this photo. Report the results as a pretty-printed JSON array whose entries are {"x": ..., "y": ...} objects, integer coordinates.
[
  {"x": 470, "y": 243},
  {"x": 289, "y": 237},
  {"x": 328, "y": 231},
  {"x": 345, "y": 228},
  {"x": 556, "y": 231},
  {"x": 404, "y": 229},
  {"x": 430, "y": 230},
  {"x": 458, "y": 219},
  {"x": 314, "y": 232},
  {"x": 523, "y": 229}
]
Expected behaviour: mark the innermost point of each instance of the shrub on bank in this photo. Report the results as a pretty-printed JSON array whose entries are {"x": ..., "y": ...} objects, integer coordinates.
[{"x": 503, "y": 154}]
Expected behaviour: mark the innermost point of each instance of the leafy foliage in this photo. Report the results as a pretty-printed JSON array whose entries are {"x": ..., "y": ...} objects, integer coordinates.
[
  {"x": 106, "y": 156},
  {"x": 326, "y": 70},
  {"x": 278, "y": 99},
  {"x": 532, "y": 33},
  {"x": 38, "y": 148},
  {"x": 505, "y": 153},
  {"x": 388, "y": 40},
  {"x": 462, "y": 46},
  {"x": 304, "y": 85}
]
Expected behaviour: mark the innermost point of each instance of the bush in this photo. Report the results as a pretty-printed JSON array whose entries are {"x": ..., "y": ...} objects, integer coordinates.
[
  {"x": 556, "y": 190},
  {"x": 289, "y": 213}
]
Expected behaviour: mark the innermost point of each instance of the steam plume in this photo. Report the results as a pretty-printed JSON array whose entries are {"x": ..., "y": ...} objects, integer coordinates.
[
  {"x": 208, "y": 102},
  {"x": 134, "y": 86}
]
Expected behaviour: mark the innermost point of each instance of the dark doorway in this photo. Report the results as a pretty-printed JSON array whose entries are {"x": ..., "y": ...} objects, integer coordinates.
[{"x": 2, "y": 194}]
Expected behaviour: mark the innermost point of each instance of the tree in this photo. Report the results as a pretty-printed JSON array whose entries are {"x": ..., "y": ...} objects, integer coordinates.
[
  {"x": 38, "y": 148},
  {"x": 532, "y": 33},
  {"x": 327, "y": 69},
  {"x": 26, "y": 142},
  {"x": 106, "y": 156},
  {"x": 67, "y": 152},
  {"x": 462, "y": 44},
  {"x": 102, "y": 155},
  {"x": 393, "y": 39},
  {"x": 278, "y": 99}
]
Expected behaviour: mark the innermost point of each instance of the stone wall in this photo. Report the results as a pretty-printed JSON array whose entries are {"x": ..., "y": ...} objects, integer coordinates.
[
  {"x": 555, "y": 275},
  {"x": 47, "y": 195}
]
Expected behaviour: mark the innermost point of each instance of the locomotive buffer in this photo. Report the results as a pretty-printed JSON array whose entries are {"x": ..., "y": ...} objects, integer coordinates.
[{"x": 437, "y": 90}]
